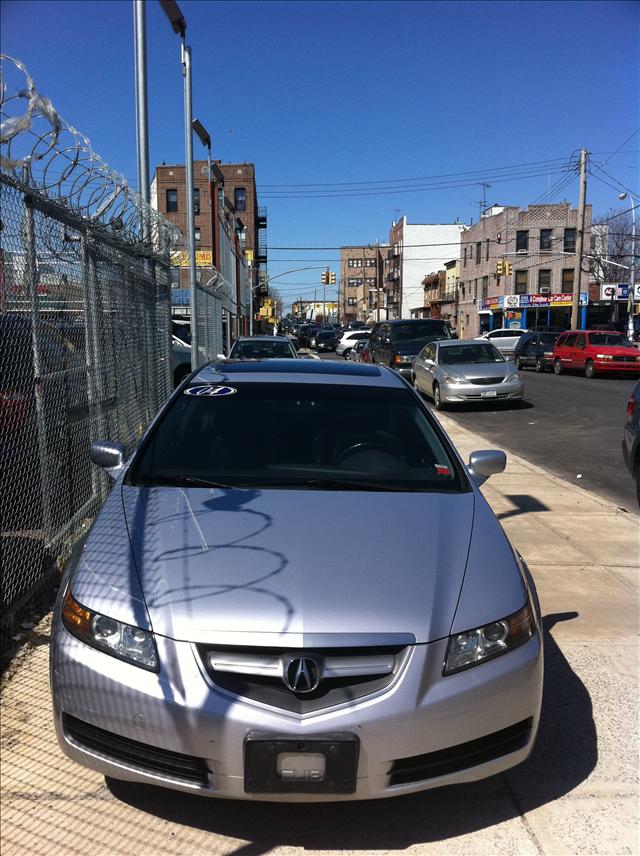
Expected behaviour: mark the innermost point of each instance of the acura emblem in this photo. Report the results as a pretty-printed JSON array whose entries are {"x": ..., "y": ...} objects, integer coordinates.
[{"x": 302, "y": 674}]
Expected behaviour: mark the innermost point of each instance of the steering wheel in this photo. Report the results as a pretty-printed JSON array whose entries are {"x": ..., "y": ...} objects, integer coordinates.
[{"x": 364, "y": 446}]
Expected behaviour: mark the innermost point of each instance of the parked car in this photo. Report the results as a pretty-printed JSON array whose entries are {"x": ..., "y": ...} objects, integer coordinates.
[
  {"x": 631, "y": 437},
  {"x": 235, "y": 660},
  {"x": 595, "y": 352},
  {"x": 306, "y": 334},
  {"x": 324, "y": 340},
  {"x": 262, "y": 348},
  {"x": 395, "y": 343},
  {"x": 355, "y": 354},
  {"x": 355, "y": 325},
  {"x": 535, "y": 350},
  {"x": 505, "y": 339},
  {"x": 463, "y": 371},
  {"x": 349, "y": 339}
]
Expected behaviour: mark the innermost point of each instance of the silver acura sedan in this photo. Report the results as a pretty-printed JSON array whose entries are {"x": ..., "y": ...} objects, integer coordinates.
[
  {"x": 203, "y": 642},
  {"x": 453, "y": 371}
]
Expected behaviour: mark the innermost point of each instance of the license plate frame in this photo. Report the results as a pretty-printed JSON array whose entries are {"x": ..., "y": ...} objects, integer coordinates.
[
  {"x": 489, "y": 393},
  {"x": 341, "y": 752}
]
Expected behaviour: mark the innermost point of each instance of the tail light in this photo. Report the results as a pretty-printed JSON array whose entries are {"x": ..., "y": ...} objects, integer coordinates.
[{"x": 630, "y": 407}]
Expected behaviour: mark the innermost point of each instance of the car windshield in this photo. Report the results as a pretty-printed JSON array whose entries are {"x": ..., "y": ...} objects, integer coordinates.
[
  {"x": 260, "y": 349},
  {"x": 467, "y": 354},
  {"x": 286, "y": 435},
  {"x": 429, "y": 330},
  {"x": 617, "y": 339},
  {"x": 358, "y": 336}
]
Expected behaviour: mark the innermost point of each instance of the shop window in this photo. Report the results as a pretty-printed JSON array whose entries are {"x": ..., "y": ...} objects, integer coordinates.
[
  {"x": 569, "y": 240},
  {"x": 522, "y": 281},
  {"x": 567, "y": 281},
  {"x": 172, "y": 201},
  {"x": 522, "y": 241}
]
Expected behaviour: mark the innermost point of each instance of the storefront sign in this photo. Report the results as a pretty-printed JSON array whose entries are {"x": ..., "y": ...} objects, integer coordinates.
[
  {"x": 614, "y": 291},
  {"x": 524, "y": 301},
  {"x": 180, "y": 258}
]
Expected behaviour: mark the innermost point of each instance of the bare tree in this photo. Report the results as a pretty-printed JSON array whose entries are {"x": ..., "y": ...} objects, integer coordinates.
[
  {"x": 275, "y": 295},
  {"x": 611, "y": 242}
]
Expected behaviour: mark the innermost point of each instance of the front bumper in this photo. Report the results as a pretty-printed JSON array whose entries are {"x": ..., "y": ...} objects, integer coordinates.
[
  {"x": 179, "y": 710},
  {"x": 613, "y": 366},
  {"x": 460, "y": 392},
  {"x": 406, "y": 370}
]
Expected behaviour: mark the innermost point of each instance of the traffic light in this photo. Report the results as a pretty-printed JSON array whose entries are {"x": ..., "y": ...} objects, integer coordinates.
[
  {"x": 500, "y": 267},
  {"x": 507, "y": 268},
  {"x": 325, "y": 277},
  {"x": 332, "y": 278}
]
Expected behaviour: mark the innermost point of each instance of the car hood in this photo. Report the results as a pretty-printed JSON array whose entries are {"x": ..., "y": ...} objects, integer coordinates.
[
  {"x": 477, "y": 370},
  {"x": 255, "y": 567},
  {"x": 615, "y": 350}
]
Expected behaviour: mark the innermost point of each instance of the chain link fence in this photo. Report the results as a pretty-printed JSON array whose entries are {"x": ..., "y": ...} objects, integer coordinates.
[{"x": 85, "y": 334}]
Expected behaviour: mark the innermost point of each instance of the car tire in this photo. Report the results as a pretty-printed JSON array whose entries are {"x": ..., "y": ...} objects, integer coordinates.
[
  {"x": 557, "y": 367},
  {"x": 346, "y": 353},
  {"x": 589, "y": 369},
  {"x": 519, "y": 364},
  {"x": 437, "y": 399},
  {"x": 539, "y": 366}
]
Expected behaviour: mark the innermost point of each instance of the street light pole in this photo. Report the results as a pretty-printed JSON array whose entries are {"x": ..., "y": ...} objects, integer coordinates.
[
  {"x": 142, "y": 128},
  {"x": 179, "y": 26}
]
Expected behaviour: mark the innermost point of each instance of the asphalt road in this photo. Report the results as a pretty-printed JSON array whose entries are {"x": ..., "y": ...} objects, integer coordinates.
[{"x": 569, "y": 425}]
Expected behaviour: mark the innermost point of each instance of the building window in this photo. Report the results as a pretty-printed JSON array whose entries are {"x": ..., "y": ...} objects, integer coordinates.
[
  {"x": 464, "y": 257},
  {"x": 522, "y": 279},
  {"x": 370, "y": 263},
  {"x": 350, "y": 263},
  {"x": 486, "y": 255},
  {"x": 522, "y": 241},
  {"x": 478, "y": 251},
  {"x": 196, "y": 200},
  {"x": 485, "y": 286},
  {"x": 354, "y": 282},
  {"x": 175, "y": 277},
  {"x": 544, "y": 278},
  {"x": 240, "y": 199},
  {"x": 172, "y": 201},
  {"x": 357, "y": 263},
  {"x": 569, "y": 240},
  {"x": 352, "y": 301},
  {"x": 567, "y": 281},
  {"x": 545, "y": 239},
  {"x": 475, "y": 287},
  {"x": 197, "y": 233},
  {"x": 370, "y": 281}
]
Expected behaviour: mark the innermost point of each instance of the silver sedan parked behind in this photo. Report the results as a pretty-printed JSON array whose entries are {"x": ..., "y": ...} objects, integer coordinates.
[
  {"x": 453, "y": 371},
  {"x": 203, "y": 642},
  {"x": 262, "y": 348}
]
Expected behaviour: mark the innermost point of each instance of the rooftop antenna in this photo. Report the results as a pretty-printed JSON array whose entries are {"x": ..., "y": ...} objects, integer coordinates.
[{"x": 483, "y": 202}]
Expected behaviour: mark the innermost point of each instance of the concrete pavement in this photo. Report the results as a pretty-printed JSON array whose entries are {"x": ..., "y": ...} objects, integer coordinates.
[{"x": 577, "y": 794}]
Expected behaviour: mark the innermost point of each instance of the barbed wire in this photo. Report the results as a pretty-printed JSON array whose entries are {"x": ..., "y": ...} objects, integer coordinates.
[{"x": 40, "y": 152}]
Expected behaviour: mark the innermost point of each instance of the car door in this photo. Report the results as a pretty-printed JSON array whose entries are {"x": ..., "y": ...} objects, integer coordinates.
[
  {"x": 579, "y": 352},
  {"x": 429, "y": 365},
  {"x": 419, "y": 369},
  {"x": 530, "y": 352},
  {"x": 567, "y": 355}
]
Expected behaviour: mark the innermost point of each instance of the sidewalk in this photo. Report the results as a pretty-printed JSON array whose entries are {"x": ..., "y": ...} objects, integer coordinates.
[{"x": 577, "y": 794}]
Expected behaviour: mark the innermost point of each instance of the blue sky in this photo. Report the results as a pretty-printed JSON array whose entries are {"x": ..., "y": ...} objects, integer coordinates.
[{"x": 354, "y": 92}]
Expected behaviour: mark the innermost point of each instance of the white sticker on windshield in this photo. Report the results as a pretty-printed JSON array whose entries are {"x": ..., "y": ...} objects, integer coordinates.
[{"x": 211, "y": 391}]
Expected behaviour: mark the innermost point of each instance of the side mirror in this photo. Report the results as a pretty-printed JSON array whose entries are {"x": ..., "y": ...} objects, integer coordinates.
[
  {"x": 220, "y": 357},
  {"x": 108, "y": 455},
  {"x": 486, "y": 463}
]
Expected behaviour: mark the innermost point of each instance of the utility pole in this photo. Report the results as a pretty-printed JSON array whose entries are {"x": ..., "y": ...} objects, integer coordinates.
[
  {"x": 577, "y": 280},
  {"x": 142, "y": 127},
  {"x": 377, "y": 281}
]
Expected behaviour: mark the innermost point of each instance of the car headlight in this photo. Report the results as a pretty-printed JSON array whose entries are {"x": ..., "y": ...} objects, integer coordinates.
[
  {"x": 484, "y": 643},
  {"x": 401, "y": 359},
  {"x": 452, "y": 378},
  {"x": 604, "y": 357},
  {"x": 513, "y": 377},
  {"x": 132, "y": 644}
]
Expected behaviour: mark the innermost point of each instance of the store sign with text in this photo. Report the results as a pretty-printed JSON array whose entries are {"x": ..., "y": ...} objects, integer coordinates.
[
  {"x": 527, "y": 301},
  {"x": 614, "y": 291},
  {"x": 180, "y": 258}
]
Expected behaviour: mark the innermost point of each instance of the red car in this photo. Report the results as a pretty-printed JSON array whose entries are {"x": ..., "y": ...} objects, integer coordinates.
[{"x": 595, "y": 352}]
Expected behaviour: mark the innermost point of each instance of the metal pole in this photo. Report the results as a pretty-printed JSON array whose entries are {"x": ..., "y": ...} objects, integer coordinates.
[
  {"x": 250, "y": 298},
  {"x": 142, "y": 129},
  {"x": 630, "y": 330},
  {"x": 191, "y": 227},
  {"x": 577, "y": 281}
]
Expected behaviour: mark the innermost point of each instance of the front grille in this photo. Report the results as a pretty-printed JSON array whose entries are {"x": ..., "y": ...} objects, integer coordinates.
[
  {"x": 269, "y": 688},
  {"x": 139, "y": 756},
  {"x": 626, "y": 359},
  {"x": 484, "y": 381},
  {"x": 461, "y": 757}
]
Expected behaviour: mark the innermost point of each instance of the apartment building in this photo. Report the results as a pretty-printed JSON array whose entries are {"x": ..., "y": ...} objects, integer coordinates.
[
  {"x": 232, "y": 202},
  {"x": 537, "y": 247},
  {"x": 413, "y": 249},
  {"x": 361, "y": 281},
  {"x": 433, "y": 286}
]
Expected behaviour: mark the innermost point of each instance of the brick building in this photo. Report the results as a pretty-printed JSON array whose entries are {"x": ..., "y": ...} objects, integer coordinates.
[
  {"x": 361, "y": 281},
  {"x": 539, "y": 243}
]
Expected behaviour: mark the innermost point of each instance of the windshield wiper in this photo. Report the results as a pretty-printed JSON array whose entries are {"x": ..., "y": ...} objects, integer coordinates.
[
  {"x": 181, "y": 481},
  {"x": 333, "y": 483}
]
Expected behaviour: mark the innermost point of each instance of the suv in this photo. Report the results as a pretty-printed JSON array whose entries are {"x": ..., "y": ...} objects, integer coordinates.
[
  {"x": 349, "y": 339},
  {"x": 535, "y": 350},
  {"x": 505, "y": 339},
  {"x": 595, "y": 351},
  {"x": 395, "y": 343}
]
